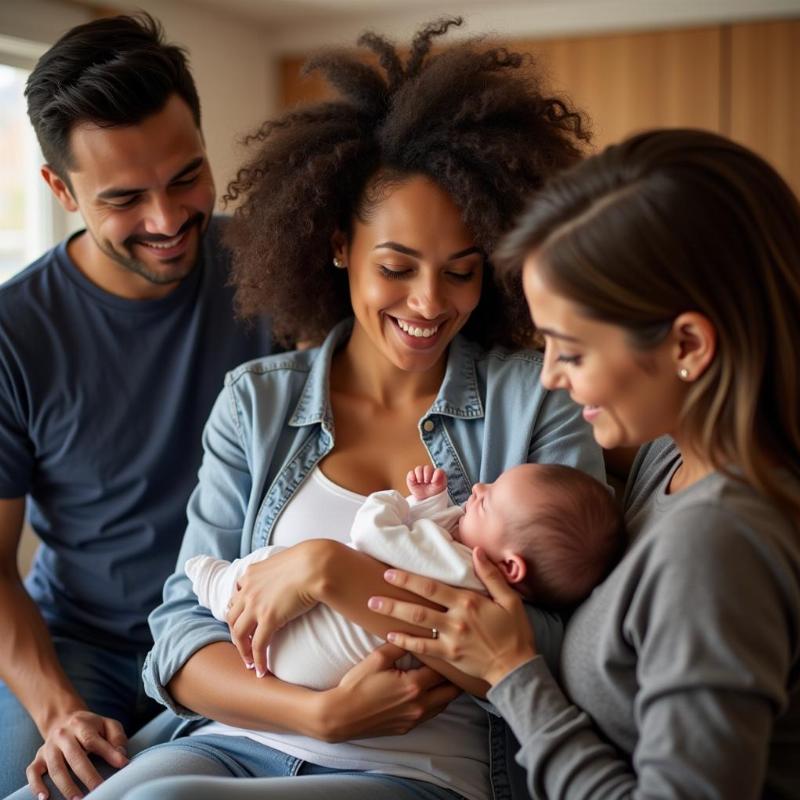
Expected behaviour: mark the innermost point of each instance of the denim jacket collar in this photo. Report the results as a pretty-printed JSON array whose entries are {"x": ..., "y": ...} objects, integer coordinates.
[
  {"x": 314, "y": 405},
  {"x": 458, "y": 395}
]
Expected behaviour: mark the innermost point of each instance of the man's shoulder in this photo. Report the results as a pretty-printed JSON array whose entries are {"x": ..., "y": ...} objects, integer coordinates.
[
  {"x": 218, "y": 224},
  {"x": 29, "y": 282},
  {"x": 35, "y": 293}
]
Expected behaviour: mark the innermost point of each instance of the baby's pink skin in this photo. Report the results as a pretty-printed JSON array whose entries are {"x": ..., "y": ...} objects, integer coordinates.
[
  {"x": 424, "y": 481},
  {"x": 485, "y": 520}
]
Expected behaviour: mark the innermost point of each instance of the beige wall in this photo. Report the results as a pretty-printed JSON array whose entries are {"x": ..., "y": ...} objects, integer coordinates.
[
  {"x": 41, "y": 21},
  {"x": 514, "y": 19},
  {"x": 234, "y": 71}
]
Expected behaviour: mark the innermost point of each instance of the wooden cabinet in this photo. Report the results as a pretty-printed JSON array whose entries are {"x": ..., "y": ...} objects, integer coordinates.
[
  {"x": 742, "y": 80},
  {"x": 765, "y": 93}
]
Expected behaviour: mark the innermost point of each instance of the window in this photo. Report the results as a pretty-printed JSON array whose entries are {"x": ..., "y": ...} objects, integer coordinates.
[
  {"x": 31, "y": 220},
  {"x": 25, "y": 224}
]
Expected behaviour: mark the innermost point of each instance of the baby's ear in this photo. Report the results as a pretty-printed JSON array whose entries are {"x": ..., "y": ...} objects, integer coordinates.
[{"x": 513, "y": 568}]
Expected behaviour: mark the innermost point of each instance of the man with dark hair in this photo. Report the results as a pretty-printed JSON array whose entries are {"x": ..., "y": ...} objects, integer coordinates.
[{"x": 113, "y": 347}]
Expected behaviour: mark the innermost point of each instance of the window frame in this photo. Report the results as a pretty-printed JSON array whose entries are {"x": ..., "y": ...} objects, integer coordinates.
[{"x": 51, "y": 223}]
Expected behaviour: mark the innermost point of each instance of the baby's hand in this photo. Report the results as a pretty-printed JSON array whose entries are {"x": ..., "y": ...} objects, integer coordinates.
[{"x": 425, "y": 481}]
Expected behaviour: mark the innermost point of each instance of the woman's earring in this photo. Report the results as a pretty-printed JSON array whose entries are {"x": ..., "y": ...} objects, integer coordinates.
[
  {"x": 338, "y": 263},
  {"x": 683, "y": 374}
]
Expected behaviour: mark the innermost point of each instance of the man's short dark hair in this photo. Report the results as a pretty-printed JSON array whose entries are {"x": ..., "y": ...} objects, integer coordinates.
[{"x": 112, "y": 71}]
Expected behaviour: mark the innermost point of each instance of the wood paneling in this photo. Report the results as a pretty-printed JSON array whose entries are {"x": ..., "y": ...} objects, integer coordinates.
[
  {"x": 297, "y": 88},
  {"x": 741, "y": 80},
  {"x": 765, "y": 92},
  {"x": 624, "y": 82},
  {"x": 633, "y": 81}
]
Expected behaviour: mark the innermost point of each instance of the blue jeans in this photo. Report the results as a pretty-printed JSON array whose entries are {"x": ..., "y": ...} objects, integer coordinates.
[
  {"x": 110, "y": 684},
  {"x": 208, "y": 767}
]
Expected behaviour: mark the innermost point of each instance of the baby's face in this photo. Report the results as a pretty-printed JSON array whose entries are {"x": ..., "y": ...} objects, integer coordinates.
[{"x": 490, "y": 508}]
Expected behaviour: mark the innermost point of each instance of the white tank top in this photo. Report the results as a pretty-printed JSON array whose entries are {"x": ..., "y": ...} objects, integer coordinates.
[{"x": 450, "y": 750}]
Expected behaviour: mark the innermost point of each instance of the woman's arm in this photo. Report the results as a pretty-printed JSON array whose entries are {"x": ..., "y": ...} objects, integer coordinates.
[
  {"x": 214, "y": 684},
  {"x": 373, "y": 699},
  {"x": 696, "y": 743},
  {"x": 710, "y": 679},
  {"x": 192, "y": 655},
  {"x": 320, "y": 570}
]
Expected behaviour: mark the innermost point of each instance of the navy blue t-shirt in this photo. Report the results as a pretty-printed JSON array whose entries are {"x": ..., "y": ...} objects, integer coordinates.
[{"x": 102, "y": 406}]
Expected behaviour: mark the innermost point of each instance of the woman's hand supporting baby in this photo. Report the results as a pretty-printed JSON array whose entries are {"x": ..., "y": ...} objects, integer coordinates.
[
  {"x": 273, "y": 592},
  {"x": 374, "y": 698},
  {"x": 487, "y": 637},
  {"x": 377, "y": 699}
]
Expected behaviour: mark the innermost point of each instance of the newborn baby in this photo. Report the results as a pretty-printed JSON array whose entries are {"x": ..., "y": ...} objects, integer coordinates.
[{"x": 552, "y": 530}]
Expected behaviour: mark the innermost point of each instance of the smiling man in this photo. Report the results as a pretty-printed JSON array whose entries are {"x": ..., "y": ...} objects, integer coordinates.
[{"x": 113, "y": 347}]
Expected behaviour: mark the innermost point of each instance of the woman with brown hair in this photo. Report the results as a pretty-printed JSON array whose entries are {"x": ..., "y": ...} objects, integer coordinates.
[
  {"x": 664, "y": 275},
  {"x": 366, "y": 223}
]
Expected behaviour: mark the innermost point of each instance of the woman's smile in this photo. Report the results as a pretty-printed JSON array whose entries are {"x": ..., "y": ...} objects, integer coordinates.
[
  {"x": 415, "y": 276},
  {"x": 418, "y": 334}
]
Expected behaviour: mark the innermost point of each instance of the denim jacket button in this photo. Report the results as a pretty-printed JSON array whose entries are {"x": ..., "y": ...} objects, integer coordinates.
[{"x": 428, "y": 425}]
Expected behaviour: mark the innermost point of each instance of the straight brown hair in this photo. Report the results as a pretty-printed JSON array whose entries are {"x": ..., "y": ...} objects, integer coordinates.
[{"x": 679, "y": 220}]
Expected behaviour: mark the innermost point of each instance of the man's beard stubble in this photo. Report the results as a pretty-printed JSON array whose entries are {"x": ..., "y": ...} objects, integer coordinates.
[{"x": 140, "y": 268}]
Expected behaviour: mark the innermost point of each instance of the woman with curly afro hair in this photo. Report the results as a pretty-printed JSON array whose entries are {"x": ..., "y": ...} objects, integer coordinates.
[
  {"x": 473, "y": 121},
  {"x": 366, "y": 226}
]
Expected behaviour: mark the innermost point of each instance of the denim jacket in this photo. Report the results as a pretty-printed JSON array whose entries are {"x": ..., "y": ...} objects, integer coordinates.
[{"x": 273, "y": 423}]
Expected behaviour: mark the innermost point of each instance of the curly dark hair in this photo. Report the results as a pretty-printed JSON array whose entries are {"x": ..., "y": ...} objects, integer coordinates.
[{"x": 470, "y": 118}]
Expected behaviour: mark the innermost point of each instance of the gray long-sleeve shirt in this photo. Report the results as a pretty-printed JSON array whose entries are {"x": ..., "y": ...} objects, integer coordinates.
[{"x": 681, "y": 672}]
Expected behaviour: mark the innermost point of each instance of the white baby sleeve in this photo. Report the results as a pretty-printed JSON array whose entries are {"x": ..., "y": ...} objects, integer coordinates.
[
  {"x": 214, "y": 580},
  {"x": 388, "y": 528}
]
